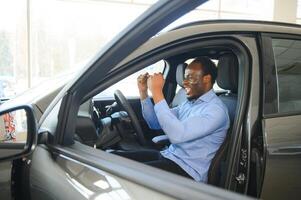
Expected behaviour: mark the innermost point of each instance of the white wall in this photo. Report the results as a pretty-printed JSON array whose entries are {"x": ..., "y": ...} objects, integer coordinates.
[{"x": 285, "y": 11}]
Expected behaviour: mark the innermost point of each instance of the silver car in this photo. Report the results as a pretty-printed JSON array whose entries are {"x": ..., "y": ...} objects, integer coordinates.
[{"x": 62, "y": 150}]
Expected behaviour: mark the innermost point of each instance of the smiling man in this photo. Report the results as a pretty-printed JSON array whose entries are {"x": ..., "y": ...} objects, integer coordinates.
[{"x": 196, "y": 128}]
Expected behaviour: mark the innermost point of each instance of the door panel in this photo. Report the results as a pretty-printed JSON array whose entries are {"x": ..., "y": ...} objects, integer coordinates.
[
  {"x": 59, "y": 177},
  {"x": 283, "y": 158},
  {"x": 82, "y": 172},
  {"x": 5, "y": 181},
  {"x": 282, "y": 123}
]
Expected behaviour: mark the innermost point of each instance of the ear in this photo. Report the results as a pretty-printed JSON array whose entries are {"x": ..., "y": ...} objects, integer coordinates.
[{"x": 207, "y": 78}]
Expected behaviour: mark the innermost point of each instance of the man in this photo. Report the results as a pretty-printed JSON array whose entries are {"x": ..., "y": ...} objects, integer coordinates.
[{"x": 196, "y": 128}]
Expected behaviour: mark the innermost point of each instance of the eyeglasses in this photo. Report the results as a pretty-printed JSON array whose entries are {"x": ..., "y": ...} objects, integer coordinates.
[{"x": 191, "y": 79}]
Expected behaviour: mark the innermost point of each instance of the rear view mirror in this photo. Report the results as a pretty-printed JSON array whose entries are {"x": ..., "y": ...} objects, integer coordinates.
[{"x": 17, "y": 132}]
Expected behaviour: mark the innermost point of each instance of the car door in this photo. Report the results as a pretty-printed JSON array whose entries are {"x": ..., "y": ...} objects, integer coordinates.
[
  {"x": 282, "y": 116},
  {"x": 62, "y": 169}
]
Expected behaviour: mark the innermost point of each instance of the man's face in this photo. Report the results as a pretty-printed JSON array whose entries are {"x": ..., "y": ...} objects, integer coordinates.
[{"x": 193, "y": 81}]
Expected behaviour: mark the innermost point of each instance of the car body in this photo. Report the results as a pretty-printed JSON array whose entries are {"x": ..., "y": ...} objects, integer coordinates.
[{"x": 263, "y": 153}]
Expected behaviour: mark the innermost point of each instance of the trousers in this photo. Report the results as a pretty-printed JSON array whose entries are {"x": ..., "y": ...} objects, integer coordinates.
[{"x": 155, "y": 159}]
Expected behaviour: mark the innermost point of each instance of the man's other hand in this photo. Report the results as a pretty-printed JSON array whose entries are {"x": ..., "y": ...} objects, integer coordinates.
[
  {"x": 142, "y": 85},
  {"x": 155, "y": 84}
]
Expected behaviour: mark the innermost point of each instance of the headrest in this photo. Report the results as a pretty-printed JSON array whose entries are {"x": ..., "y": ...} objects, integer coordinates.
[
  {"x": 180, "y": 73},
  {"x": 227, "y": 72}
]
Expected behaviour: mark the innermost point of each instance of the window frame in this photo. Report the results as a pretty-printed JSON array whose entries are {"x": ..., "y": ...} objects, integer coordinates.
[{"x": 231, "y": 42}]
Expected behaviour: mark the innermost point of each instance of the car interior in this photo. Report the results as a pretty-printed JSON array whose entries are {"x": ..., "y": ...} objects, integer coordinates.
[{"x": 117, "y": 123}]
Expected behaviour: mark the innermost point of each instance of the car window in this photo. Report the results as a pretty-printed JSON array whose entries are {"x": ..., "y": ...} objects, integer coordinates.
[
  {"x": 288, "y": 67},
  {"x": 128, "y": 86}
]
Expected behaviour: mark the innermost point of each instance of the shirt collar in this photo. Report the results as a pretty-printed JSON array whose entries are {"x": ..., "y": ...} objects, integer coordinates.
[{"x": 207, "y": 96}]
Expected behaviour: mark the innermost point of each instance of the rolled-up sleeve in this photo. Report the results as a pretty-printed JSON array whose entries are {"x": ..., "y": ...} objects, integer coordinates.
[{"x": 212, "y": 118}]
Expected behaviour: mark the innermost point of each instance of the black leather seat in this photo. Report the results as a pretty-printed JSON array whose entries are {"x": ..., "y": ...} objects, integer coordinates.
[
  {"x": 180, "y": 96},
  {"x": 227, "y": 79}
]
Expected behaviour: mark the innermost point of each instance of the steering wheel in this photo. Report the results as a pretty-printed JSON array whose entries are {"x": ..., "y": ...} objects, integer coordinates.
[{"x": 126, "y": 106}]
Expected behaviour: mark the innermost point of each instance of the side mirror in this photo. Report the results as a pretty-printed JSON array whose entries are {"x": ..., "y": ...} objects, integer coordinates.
[{"x": 18, "y": 135}]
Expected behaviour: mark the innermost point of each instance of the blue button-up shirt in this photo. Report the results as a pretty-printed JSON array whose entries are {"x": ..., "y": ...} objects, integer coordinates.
[{"x": 195, "y": 129}]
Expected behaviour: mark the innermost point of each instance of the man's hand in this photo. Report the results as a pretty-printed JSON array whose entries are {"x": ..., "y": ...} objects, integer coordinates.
[
  {"x": 155, "y": 84},
  {"x": 142, "y": 85}
]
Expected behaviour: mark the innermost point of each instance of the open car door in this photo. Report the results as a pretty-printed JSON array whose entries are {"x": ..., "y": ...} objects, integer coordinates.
[{"x": 60, "y": 168}]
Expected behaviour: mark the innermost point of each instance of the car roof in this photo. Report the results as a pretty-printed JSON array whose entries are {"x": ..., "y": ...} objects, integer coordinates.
[
  {"x": 226, "y": 22},
  {"x": 213, "y": 27}
]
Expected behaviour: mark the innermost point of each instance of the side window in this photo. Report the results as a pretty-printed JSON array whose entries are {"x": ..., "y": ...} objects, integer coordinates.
[
  {"x": 287, "y": 55},
  {"x": 128, "y": 86}
]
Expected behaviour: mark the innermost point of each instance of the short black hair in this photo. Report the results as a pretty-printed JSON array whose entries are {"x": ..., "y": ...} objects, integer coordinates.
[{"x": 208, "y": 67}]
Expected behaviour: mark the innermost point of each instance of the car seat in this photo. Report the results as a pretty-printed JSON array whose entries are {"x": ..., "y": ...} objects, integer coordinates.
[
  {"x": 227, "y": 79},
  {"x": 180, "y": 96}
]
